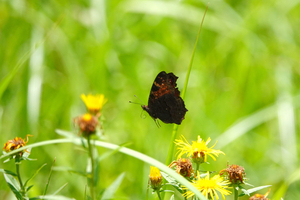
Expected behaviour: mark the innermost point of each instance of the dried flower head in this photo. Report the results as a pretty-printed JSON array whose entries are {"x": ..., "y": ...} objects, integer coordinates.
[
  {"x": 155, "y": 178},
  {"x": 198, "y": 150},
  {"x": 94, "y": 103},
  {"x": 16, "y": 143},
  {"x": 209, "y": 187},
  {"x": 87, "y": 124},
  {"x": 260, "y": 196},
  {"x": 183, "y": 167},
  {"x": 235, "y": 173}
]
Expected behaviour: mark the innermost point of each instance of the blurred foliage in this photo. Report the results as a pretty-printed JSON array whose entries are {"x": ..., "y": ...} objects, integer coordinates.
[{"x": 247, "y": 61}]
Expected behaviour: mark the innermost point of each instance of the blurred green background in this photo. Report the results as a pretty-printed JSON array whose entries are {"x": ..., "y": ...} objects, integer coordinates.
[{"x": 243, "y": 89}]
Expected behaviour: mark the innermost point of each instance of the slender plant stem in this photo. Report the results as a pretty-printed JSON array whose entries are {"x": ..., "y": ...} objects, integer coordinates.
[
  {"x": 171, "y": 147},
  {"x": 158, "y": 194},
  {"x": 235, "y": 192},
  {"x": 17, "y": 163},
  {"x": 92, "y": 186},
  {"x": 174, "y": 133},
  {"x": 197, "y": 167},
  {"x": 192, "y": 58}
]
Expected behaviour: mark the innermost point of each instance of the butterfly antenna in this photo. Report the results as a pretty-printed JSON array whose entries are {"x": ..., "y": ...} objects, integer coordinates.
[
  {"x": 135, "y": 103},
  {"x": 142, "y": 103},
  {"x": 139, "y": 100}
]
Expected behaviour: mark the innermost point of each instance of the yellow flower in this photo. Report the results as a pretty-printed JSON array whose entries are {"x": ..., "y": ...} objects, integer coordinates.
[
  {"x": 155, "y": 178},
  {"x": 94, "y": 103},
  {"x": 198, "y": 150},
  {"x": 209, "y": 187},
  {"x": 16, "y": 143}
]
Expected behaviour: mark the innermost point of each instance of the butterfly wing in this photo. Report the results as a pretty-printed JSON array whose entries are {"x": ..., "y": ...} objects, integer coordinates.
[{"x": 164, "y": 101}]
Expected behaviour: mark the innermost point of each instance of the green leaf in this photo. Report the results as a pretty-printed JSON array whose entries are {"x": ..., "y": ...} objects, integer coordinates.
[
  {"x": 28, "y": 188},
  {"x": 172, "y": 197},
  {"x": 245, "y": 191},
  {"x": 13, "y": 185},
  {"x": 108, "y": 154},
  {"x": 69, "y": 169},
  {"x": 172, "y": 181},
  {"x": 252, "y": 190},
  {"x": 26, "y": 154},
  {"x": 104, "y": 156},
  {"x": 8, "y": 172},
  {"x": 60, "y": 189},
  {"x": 110, "y": 191},
  {"x": 49, "y": 177},
  {"x": 281, "y": 191},
  {"x": 52, "y": 197},
  {"x": 65, "y": 134},
  {"x": 36, "y": 172}
]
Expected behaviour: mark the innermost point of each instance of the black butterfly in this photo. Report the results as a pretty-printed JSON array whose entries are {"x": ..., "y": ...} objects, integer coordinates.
[{"x": 164, "y": 101}]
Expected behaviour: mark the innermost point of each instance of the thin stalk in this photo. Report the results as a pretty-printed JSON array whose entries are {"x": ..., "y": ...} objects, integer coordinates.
[
  {"x": 235, "y": 192},
  {"x": 92, "y": 186},
  {"x": 158, "y": 194},
  {"x": 197, "y": 167},
  {"x": 17, "y": 162},
  {"x": 174, "y": 133},
  {"x": 175, "y": 128}
]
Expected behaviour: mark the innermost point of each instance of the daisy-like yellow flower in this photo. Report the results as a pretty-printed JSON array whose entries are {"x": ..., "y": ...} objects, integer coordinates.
[
  {"x": 16, "y": 143},
  {"x": 94, "y": 103},
  {"x": 198, "y": 150},
  {"x": 209, "y": 187},
  {"x": 155, "y": 178}
]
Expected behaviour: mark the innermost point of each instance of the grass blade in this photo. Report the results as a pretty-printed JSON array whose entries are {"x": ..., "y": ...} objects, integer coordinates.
[
  {"x": 110, "y": 191},
  {"x": 174, "y": 133},
  {"x": 48, "y": 181}
]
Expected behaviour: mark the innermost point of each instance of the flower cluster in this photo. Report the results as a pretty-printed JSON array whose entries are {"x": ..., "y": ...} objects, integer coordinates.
[
  {"x": 89, "y": 122},
  {"x": 198, "y": 152}
]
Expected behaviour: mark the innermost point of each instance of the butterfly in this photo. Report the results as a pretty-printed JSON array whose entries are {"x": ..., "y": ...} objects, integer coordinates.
[{"x": 164, "y": 101}]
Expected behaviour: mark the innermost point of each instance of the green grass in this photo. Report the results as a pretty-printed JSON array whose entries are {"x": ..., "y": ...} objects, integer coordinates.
[{"x": 243, "y": 89}]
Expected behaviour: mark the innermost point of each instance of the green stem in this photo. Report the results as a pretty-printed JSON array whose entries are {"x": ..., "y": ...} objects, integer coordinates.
[
  {"x": 17, "y": 162},
  {"x": 197, "y": 167},
  {"x": 235, "y": 192},
  {"x": 174, "y": 133},
  {"x": 192, "y": 58},
  {"x": 92, "y": 186},
  {"x": 171, "y": 147},
  {"x": 158, "y": 194}
]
